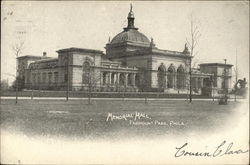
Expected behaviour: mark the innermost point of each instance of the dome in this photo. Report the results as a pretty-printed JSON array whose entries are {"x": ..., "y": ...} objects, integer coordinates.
[{"x": 130, "y": 35}]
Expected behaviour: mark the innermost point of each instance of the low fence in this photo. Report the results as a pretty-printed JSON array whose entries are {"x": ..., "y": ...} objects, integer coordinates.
[{"x": 83, "y": 94}]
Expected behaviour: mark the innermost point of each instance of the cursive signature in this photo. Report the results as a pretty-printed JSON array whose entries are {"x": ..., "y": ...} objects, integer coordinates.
[{"x": 220, "y": 150}]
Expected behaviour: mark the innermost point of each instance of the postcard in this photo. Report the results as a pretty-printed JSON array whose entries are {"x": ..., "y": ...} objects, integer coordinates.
[{"x": 124, "y": 82}]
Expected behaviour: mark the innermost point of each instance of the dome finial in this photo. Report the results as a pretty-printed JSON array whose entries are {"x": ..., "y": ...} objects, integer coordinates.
[
  {"x": 131, "y": 19},
  {"x": 131, "y": 14}
]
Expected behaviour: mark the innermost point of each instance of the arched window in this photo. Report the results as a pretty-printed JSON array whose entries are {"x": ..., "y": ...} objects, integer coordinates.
[
  {"x": 86, "y": 72},
  {"x": 171, "y": 76},
  {"x": 181, "y": 78},
  {"x": 161, "y": 75}
]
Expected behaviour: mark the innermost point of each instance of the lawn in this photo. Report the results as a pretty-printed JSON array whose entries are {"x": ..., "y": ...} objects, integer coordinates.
[{"x": 78, "y": 119}]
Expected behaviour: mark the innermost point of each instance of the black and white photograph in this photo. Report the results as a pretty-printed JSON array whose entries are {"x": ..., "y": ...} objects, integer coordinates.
[{"x": 124, "y": 82}]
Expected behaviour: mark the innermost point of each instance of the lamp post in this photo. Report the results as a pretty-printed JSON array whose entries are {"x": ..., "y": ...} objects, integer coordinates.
[
  {"x": 67, "y": 94},
  {"x": 16, "y": 78},
  {"x": 190, "y": 80},
  {"x": 225, "y": 77},
  {"x": 236, "y": 78},
  {"x": 212, "y": 85}
]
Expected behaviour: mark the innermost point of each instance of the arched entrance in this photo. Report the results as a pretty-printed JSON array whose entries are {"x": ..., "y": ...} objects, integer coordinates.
[
  {"x": 86, "y": 72},
  {"x": 180, "y": 77},
  {"x": 171, "y": 77},
  {"x": 161, "y": 76}
]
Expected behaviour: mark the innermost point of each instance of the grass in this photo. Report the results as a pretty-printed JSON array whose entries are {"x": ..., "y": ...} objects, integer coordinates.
[{"x": 76, "y": 118}]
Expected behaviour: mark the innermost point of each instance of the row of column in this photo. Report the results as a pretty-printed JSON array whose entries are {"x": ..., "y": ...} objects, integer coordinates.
[
  {"x": 197, "y": 82},
  {"x": 115, "y": 78},
  {"x": 172, "y": 81},
  {"x": 43, "y": 78},
  {"x": 179, "y": 81}
]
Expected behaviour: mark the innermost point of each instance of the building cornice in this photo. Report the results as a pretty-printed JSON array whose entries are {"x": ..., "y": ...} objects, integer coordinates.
[
  {"x": 33, "y": 57},
  {"x": 81, "y": 50},
  {"x": 215, "y": 64}
]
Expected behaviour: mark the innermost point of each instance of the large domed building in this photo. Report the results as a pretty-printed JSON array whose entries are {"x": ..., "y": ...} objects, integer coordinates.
[{"x": 131, "y": 63}]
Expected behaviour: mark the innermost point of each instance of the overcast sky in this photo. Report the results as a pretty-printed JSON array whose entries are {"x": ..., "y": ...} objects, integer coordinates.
[{"x": 50, "y": 26}]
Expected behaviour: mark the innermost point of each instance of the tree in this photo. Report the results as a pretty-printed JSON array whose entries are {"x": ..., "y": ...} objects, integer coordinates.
[
  {"x": 91, "y": 78},
  {"x": 4, "y": 85},
  {"x": 192, "y": 43},
  {"x": 18, "y": 83},
  {"x": 17, "y": 49},
  {"x": 144, "y": 83}
]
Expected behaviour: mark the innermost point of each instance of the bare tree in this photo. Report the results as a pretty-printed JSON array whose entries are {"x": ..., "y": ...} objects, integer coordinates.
[
  {"x": 91, "y": 78},
  {"x": 144, "y": 83},
  {"x": 192, "y": 43},
  {"x": 17, "y": 49}
]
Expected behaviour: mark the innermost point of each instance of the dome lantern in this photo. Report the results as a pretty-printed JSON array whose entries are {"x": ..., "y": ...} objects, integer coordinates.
[
  {"x": 131, "y": 19},
  {"x": 131, "y": 33}
]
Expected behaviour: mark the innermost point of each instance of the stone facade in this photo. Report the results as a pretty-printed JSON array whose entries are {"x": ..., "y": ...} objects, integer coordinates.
[
  {"x": 222, "y": 75},
  {"x": 132, "y": 63}
]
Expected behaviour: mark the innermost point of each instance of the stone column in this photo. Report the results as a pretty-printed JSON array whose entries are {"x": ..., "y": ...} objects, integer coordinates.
[
  {"x": 101, "y": 78},
  {"x": 115, "y": 78},
  {"x": 201, "y": 79},
  {"x": 166, "y": 80},
  {"x": 126, "y": 80},
  {"x": 109, "y": 78},
  {"x": 133, "y": 79}
]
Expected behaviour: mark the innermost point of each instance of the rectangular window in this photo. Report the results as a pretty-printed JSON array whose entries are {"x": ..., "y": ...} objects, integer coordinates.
[
  {"x": 49, "y": 77},
  {"x": 33, "y": 78},
  {"x": 44, "y": 77},
  {"x": 65, "y": 76},
  {"x": 28, "y": 77},
  {"x": 56, "y": 77},
  {"x": 39, "y": 78}
]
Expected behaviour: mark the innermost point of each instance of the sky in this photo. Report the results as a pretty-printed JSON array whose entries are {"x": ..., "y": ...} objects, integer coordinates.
[{"x": 53, "y": 25}]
